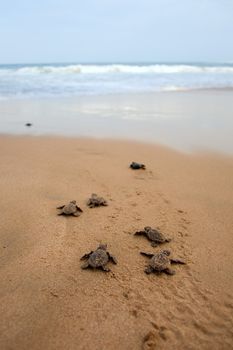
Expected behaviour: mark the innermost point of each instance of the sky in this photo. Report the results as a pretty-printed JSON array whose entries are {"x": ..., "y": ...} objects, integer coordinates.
[{"x": 116, "y": 31}]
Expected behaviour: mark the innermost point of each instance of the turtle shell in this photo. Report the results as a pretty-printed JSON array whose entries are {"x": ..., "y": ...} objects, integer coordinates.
[
  {"x": 96, "y": 201},
  {"x": 70, "y": 208},
  {"x": 98, "y": 258},
  {"x": 135, "y": 165},
  {"x": 154, "y": 235},
  {"x": 160, "y": 261}
]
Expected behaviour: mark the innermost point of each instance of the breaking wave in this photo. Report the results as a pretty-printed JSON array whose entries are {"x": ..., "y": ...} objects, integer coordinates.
[
  {"x": 46, "y": 80},
  {"x": 117, "y": 68}
]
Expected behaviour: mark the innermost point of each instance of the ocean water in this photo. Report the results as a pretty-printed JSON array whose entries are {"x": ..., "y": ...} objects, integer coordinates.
[
  {"x": 194, "y": 110},
  {"x": 56, "y": 80}
]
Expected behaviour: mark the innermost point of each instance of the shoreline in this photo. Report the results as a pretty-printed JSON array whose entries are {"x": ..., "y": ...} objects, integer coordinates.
[
  {"x": 186, "y": 121},
  {"x": 48, "y": 301},
  {"x": 199, "y": 152}
]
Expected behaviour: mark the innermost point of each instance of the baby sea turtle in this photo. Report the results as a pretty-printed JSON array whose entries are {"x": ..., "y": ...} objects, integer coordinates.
[
  {"x": 160, "y": 262},
  {"x": 70, "y": 209},
  {"x": 96, "y": 201},
  {"x": 153, "y": 235},
  {"x": 136, "y": 166},
  {"x": 98, "y": 258}
]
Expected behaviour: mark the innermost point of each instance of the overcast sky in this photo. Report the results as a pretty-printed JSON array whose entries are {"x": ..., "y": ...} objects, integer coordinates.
[{"x": 115, "y": 30}]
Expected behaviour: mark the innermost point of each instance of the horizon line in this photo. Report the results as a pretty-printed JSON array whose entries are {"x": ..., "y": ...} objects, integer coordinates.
[{"x": 116, "y": 62}]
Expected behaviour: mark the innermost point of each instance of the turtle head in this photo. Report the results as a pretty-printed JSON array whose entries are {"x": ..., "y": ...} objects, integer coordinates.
[
  {"x": 73, "y": 202},
  {"x": 103, "y": 246},
  {"x": 166, "y": 252},
  {"x": 147, "y": 228}
]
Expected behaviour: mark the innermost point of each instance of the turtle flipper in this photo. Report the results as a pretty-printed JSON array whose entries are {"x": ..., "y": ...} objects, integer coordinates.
[
  {"x": 141, "y": 233},
  {"x": 177, "y": 261},
  {"x": 79, "y": 209},
  {"x": 60, "y": 207},
  {"x": 61, "y": 213},
  {"x": 86, "y": 256},
  {"x": 147, "y": 254},
  {"x": 148, "y": 270},
  {"x": 169, "y": 271},
  {"x": 76, "y": 214},
  {"x": 105, "y": 268},
  {"x": 85, "y": 265},
  {"x": 113, "y": 258},
  {"x": 168, "y": 240},
  {"x": 154, "y": 244}
]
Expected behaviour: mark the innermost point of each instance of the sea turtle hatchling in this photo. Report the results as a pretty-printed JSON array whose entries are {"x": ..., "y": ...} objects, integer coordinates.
[
  {"x": 160, "y": 262},
  {"x": 98, "y": 259},
  {"x": 96, "y": 201},
  {"x": 70, "y": 209},
  {"x": 153, "y": 235},
  {"x": 136, "y": 166}
]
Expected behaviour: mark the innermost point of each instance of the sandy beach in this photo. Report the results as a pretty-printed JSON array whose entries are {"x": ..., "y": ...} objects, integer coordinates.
[
  {"x": 48, "y": 302},
  {"x": 87, "y": 88}
]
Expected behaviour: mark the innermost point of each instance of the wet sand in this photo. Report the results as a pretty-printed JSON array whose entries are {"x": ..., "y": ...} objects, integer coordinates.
[
  {"x": 187, "y": 121},
  {"x": 48, "y": 302}
]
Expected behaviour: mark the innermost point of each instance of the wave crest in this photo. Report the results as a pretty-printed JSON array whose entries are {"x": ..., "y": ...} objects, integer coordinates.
[{"x": 118, "y": 68}]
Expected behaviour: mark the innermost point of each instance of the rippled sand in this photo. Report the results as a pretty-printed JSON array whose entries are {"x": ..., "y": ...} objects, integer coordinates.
[{"x": 48, "y": 302}]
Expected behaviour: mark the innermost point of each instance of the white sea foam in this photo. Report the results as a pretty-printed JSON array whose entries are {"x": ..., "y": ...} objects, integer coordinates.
[
  {"x": 88, "y": 79},
  {"x": 174, "y": 88},
  {"x": 117, "y": 68}
]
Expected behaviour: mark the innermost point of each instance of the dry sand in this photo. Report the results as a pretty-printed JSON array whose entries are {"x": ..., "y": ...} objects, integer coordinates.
[{"x": 48, "y": 302}]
